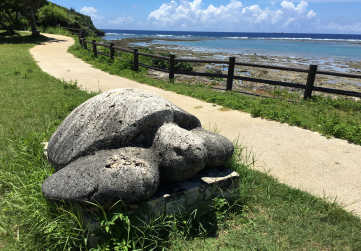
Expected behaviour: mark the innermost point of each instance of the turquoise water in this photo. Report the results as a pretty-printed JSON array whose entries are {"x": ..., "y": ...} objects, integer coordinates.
[
  {"x": 318, "y": 49},
  {"x": 336, "y": 46}
]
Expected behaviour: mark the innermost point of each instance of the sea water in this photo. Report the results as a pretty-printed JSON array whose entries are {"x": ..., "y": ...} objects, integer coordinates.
[{"x": 340, "y": 46}]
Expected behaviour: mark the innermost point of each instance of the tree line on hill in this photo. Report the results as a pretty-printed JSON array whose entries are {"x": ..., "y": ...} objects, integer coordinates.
[{"x": 32, "y": 14}]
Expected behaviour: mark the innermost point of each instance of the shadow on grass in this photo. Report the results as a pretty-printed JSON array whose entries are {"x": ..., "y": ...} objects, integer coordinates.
[{"x": 20, "y": 38}]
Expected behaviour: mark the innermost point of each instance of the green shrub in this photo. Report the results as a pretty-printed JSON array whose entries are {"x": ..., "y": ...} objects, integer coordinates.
[
  {"x": 161, "y": 63},
  {"x": 51, "y": 15},
  {"x": 183, "y": 66},
  {"x": 164, "y": 64},
  {"x": 212, "y": 78},
  {"x": 145, "y": 59},
  {"x": 22, "y": 24}
]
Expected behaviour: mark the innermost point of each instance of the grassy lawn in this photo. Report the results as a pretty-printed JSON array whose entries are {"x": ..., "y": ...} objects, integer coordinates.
[
  {"x": 32, "y": 105},
  {"x": 262, "y": 215}
]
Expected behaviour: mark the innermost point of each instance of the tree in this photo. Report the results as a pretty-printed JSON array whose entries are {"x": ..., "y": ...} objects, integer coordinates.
[
  {"x": 32, "y": 6},
  {"x": 52, "y": 15},
  {"x": 7, "y": 8},
  {"x": 5, "y": 27}
]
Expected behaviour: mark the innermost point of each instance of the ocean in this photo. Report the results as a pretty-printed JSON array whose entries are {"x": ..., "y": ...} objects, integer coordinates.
[{"x": 340, "y": 46}]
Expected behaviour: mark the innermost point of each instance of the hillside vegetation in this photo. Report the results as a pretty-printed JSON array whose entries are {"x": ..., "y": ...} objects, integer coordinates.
[
  {"x": 42, "y": 15},
  {"x": 52, "y": 15}
]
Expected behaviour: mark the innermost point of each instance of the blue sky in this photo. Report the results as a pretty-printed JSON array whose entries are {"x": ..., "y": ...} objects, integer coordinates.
[{"x": 312, "y": 16}]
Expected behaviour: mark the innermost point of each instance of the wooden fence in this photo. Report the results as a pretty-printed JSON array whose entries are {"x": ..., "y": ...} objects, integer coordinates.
[{"x": 309, "y": 87}]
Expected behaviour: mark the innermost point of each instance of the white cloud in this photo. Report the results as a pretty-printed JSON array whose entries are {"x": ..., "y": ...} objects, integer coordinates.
[
  {"x": 96, "y": 17},
  {"x": 301, "y": 8},
  {"x": 288, "y": 17},
  {"x": 230, "y": 17},
  {"x": 289, "y": 21},
  {"x": 122, "y": 20},
  {"x": 191, "y": 14},
  {"x": 134, "y": 6},
  {"x": 311, "y": 14},
  {"x": 88, "y": 10},
  {"x": 254, "y": 14}
]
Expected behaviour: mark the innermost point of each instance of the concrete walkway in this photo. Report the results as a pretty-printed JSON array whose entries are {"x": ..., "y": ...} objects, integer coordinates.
[{"x": 297, "y": 157}]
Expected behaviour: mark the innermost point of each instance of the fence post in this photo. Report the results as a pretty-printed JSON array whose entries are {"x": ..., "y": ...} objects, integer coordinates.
[
  {"x": 81, "y": 41},
  {"x": 111, "y": 51},
  {"x": 84, "y": 43},
  {"x": 82, "y": 35},
  {"x": 171, "y": 67},
  {"x": 310, "y": 81},
  {"x": 94, "y": 47},
  {"x": 232, "y": 60},
  {"x": 136, "y": 61}
]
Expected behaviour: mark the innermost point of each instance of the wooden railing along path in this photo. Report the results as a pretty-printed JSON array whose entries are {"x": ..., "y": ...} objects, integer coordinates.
[{"x": 309, "y": 87}]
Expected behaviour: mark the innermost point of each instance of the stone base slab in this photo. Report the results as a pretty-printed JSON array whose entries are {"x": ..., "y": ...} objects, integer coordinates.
[
  {"x": 175, "y": 197},
  {"x": 182, "y": 196}
]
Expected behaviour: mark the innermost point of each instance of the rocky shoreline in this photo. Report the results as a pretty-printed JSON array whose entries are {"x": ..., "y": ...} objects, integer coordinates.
[{"x": 329, "y": 64}]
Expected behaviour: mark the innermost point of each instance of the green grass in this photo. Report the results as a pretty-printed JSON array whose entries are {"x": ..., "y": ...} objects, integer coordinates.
[
  {"x": 262, "y": 215},
  {"x": 340, "y": 118},
  {"x": 32, "y": 105}
]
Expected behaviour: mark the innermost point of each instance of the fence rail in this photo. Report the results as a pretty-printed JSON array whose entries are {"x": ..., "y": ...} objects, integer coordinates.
[
  {"x": 74, "y": 30},
  {"x": 309, "y": 87}
]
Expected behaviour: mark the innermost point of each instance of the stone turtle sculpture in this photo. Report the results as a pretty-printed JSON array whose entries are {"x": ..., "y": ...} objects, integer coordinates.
[{"x": 121, "y": 143}]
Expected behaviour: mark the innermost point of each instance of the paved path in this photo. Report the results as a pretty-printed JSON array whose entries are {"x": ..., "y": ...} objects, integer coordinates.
[{"x": 297, "y": 157}]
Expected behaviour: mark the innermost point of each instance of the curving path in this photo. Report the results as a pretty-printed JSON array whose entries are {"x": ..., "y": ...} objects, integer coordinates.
[{"x": 297, "y": 157}]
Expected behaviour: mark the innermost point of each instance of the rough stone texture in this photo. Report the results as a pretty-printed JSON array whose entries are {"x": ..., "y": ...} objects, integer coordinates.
[
  {"x": 107, "y": 176},
  {"x": 117, "y": 118},
  {"x": 119, "y": 144},
  {"x": 182, "y": 154},
  {"x": 219, "y": 149}
]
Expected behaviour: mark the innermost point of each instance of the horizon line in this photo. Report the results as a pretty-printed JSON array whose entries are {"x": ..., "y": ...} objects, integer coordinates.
[{"x": 273, "y": 32}]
